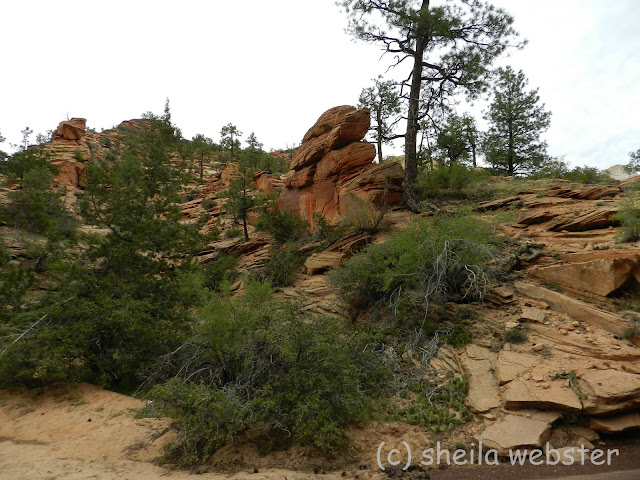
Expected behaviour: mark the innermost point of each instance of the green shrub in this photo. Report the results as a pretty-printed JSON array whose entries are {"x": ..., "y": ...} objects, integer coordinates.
[
  {"x": 516, "y": 335},
  {"x": 452, "y": 181},
  {"x": 233, "y": 233},
  {"x": 459, "y": 336},
  {"x": 629, "y": 218},
  {"x": 433, "y": 257},
  {"x": 283, "y": 265},
  {"x": 257, "y": 361},
  {"x": 440, "y": 407},
  {"x": 282, "y": 224},
  {"x": 207, "y": 204},
  {"x": 587, "y": 175},
  {"x": 218, "y": 271}
]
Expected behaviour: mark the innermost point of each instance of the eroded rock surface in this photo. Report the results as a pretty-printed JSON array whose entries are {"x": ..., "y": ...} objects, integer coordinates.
[{"x": 332, "y": 171}]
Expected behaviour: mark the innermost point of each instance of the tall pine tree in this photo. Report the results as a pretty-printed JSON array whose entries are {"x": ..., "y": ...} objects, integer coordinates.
[{"x": 516, "y": 121}]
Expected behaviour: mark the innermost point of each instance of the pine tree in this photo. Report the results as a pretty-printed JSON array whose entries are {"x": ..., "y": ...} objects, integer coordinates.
[
  {"x": 450, "y": 47},
  {"x": 516, "y": 120},
  {"x": 383, "y": 100}
]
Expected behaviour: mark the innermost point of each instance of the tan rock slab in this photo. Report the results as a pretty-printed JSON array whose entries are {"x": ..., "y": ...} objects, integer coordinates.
[
  {"x": 515, "y": 431},
  {"x": 599, "y": 277},
  {"x": 575, "y": 308},
  {"x": 322, "y": 261},
  {"x": 550, "y": 395},
  {"x": 483, "y": 387},
  {"x": 512, "y": 364},
  {"x": 616, "y": 424},
  {"x": 530, "y": 314},
  {"x": 610, "y": 391}
]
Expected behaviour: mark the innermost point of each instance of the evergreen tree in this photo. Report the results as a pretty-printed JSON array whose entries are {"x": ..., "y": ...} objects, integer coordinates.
[
  {"x": 203, "y": 148},
  {"x": 384, "y": 102},
  {"x": 633, "y": 167},
  {"x": 450, "y": 46},
  {"x": 516, "y": 120},
  {"x": 3, "y": 155},
  {"x": 122, "y": 302},
  {"x": 230, "y": 139}
]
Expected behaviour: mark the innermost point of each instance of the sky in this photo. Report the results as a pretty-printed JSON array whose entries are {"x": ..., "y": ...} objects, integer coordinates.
[{"x": 272, "y": 67}]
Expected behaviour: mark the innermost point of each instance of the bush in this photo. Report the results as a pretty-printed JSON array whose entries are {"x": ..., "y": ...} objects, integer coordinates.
[
  {"x": 431, "y": 258},
  {"x": 452, "y": 181},
  {"x": 516, "y": 335},
  {"x": 207, "y": 204},
  {"x": 218, "y": 271},
  {"x": 629, "y": 218},
  {"x": 283, "y": 265},
  {"x": 282, "y": 224},
  {"x": 365, "y": 216},
  {"x": 257, "y": 361}
]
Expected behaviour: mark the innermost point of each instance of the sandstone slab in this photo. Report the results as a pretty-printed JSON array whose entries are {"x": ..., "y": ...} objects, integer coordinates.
[
  {"x": 599, "y": 277},
  {"x": 616, "y": 423},
  {"x": 483, "y": 387},
  {"x": 610, "y": 391},
  {"x": 322, "y": 261},
  {"x": 548, "y": 395},
  {"x": 515, "y": 431}
]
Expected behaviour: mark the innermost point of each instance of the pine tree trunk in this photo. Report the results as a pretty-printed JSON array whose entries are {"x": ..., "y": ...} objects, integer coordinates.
[
  {"x": 379, "y": 120},
  {"x": 410, "y": 141}
]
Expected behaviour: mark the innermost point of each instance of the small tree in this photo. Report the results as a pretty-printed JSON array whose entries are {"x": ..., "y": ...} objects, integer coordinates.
[
  {"x": 203, "y": 147},
  {"x": 3, "y": 155},
  {"x": 453, "y": 140},
  {"x": 516, "y": 121},
  {"x": 383, "y": 100},
  {"x": 633, "y": 167},
  {"x": 230, "y": 139}
]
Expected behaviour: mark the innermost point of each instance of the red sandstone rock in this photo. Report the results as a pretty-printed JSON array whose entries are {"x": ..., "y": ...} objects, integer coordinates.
[
  {"x": 73, "y": 129},
  {"x": 332, "y": 170}
]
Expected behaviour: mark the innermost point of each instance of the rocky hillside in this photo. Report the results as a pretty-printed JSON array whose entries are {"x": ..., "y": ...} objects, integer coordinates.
[{"x": 555, "y": 353}]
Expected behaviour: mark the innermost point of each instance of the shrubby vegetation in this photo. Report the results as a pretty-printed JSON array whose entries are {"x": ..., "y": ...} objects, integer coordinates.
[
  {"x": 255, "y": 363},
  {"x": 430, "y": 260},
  {"x": 117, "y": 302},
  {"x": 559, "y": 169}
]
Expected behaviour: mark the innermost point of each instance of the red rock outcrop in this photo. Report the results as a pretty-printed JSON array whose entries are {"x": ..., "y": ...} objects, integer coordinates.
[{"x": 332, "y": 171}]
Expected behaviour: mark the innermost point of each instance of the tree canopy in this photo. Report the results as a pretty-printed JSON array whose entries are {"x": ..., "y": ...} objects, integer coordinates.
[
  {"x": 450, "y": 46},
  {"x": 516, "y": 121},
  {"x": 383, "y": 100}
]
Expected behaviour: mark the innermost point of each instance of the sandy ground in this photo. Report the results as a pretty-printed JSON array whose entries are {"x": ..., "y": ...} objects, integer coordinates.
[{"x": 84, "y": 432}]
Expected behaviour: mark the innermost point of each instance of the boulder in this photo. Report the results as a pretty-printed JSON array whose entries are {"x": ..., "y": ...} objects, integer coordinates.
[
  {"x": 332, "y": 171},
  {"x": 266, "y": 182},
  {"x": 322, "y": 261},
  {"x": 616, "y": 424},
  {"x": 599, "y": 191},
  {"x": 530, "y": 314},
  {"x": 515, "y": 431},
  {"x": 599, "y": 277},
  {"x": 592, "y": 220},
  {"x": 73, "y": 129},
  {"x": 610, "y": 391}
]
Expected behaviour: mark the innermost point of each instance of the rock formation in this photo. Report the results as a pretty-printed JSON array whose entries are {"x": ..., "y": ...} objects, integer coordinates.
[{"x": 332, "y": 171}]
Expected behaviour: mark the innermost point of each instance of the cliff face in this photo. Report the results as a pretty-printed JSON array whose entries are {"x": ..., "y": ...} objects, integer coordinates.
[{"x": 332, "y": 171}]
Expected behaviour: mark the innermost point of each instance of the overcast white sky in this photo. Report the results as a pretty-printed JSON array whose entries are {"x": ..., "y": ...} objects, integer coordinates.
[{"x": 274, "y": 66}]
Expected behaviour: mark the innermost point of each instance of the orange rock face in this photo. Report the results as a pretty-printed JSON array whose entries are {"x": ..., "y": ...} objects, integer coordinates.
[
  {"x": 73, "y": 129},
  {"x": 332, "y": 171}
]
